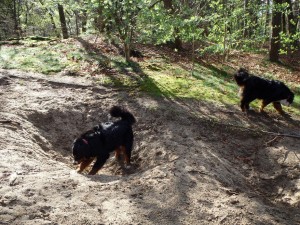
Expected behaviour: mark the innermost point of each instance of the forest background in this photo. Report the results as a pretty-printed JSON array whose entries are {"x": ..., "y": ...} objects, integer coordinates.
[
  {"x": 217, "y": 26},
  {"x": 197, "y": 158}
]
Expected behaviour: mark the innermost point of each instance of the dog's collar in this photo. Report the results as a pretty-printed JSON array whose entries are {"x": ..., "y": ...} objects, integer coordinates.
[{"x": 85, "y": 141}]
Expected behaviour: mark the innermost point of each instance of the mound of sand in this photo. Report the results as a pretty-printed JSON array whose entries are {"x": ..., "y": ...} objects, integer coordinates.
[{"x": 193, "y": 163}]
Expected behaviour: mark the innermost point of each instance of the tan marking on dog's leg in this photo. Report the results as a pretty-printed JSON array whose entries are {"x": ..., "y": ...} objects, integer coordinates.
[
  {"x": 117, "y": 153},
  {"x": 84, "y": 164},
  {"x": 123, "y": 150},
  {"x": 278, "y": 107},
  {"x": 263, "y": 105}
]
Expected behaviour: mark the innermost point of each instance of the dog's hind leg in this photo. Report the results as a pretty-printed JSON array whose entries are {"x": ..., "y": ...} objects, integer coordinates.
[
  {"x": 127, "y": 154},
  {"x": 84, "y": 164},
  {"x": 99, "y": 163},
  {"x": 278, "y": 107},
  {"x": 118, "y": 153}
]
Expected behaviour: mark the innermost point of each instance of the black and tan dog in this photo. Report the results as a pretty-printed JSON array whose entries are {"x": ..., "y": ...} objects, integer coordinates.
[
  {"x": 269, "y": 91},
  {"x": 103, "y": 139}
]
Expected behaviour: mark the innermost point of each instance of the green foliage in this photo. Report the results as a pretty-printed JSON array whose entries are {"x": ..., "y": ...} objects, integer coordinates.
[
  {"x": 219, "y": 26},
  {"x": 288, "y": 42},
  {"x": 163, "y": 25}
]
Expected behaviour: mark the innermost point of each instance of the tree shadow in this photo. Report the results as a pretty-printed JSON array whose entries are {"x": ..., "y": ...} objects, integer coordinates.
[{"x": 175, "y": 127}]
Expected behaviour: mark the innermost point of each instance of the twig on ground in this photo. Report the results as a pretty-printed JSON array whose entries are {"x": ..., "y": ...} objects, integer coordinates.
[
  {"x": 281, "y": 134},
  {"x": 287, "y": 153},
  {"x": 271, "y": 141},
  {"x": 261, "y": 131}
]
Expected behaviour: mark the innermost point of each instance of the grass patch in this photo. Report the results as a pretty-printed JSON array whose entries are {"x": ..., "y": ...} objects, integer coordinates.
[
  {"x": 155, "y": 76},
  {"x": 207, "y": 83},
  {"x": 202, "y": 85},
  {"x": 36, "y": 59}
]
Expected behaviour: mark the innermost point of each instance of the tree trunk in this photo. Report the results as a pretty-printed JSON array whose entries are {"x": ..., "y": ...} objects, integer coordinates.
[
  {"x": 53, "y": 25},
  {"x": 16, "y": 20},
  {"x": 83, "y": 21},
  {"x": 267, "y": 17},
  {"x": 127, "y": 51},
  {"x": 168, "y": 4},
  {"x": 275, "y": 38},
  {"x": 76, "y": 22},
  {"x": 177, "y": 44},
  {"x": 63, "y": 23},
  {"x": 246, "y": 28},
  {"x": 26, "y": 18}
]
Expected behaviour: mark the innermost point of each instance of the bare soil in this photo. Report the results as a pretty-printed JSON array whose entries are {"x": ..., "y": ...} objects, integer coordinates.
[{"x": 193, "y": 162}]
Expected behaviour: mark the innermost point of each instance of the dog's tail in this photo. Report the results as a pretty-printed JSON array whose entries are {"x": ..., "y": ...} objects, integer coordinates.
[{"x": 117, "y": 111}]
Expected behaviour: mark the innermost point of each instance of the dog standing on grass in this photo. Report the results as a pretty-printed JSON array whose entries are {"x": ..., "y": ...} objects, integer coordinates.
[
  {"x": 269, "y": 91},
  {"x": 98, "y": 142}
]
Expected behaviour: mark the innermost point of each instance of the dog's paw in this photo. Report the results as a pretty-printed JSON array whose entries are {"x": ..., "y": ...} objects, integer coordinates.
[
  {"x": 79, "y": 170},
  {"x": 127, "y": 167}
]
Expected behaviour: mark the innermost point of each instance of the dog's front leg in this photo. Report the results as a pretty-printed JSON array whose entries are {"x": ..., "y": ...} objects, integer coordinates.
[
  {"x": 244, "y": 105},
  {"x": 98, "y": 164},
  {"x": 84, "y": 164},
  {"x": 264, "y": 103}
]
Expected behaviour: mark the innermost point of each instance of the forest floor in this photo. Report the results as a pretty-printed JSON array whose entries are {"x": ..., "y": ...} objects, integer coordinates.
[{"x": 194, "y": 162}]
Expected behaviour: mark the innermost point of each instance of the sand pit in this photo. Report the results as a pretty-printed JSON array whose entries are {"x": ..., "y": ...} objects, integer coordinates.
[{"x": 188, "y": 167}]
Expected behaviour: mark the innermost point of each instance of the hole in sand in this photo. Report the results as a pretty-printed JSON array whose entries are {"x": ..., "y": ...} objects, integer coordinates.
[{"x": 57, "y": 129}]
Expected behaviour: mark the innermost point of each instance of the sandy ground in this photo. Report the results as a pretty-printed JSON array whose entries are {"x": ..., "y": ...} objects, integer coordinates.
[{"x": 193, "y": 162}]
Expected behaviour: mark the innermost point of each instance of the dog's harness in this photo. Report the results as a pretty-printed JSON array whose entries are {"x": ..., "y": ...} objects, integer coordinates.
[{"x": 85, "y": 141}]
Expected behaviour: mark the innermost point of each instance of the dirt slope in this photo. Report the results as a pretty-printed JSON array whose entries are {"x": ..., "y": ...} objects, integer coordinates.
[{"x": 192, "y": 161}]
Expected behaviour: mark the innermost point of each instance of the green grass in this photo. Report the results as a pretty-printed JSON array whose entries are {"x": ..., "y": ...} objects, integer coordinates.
[
  {"x": 42, "y": 57},
  {"x": 207, "y": 83},
  {"x": 35, "y": 59},
  {"x": 209, "y": 88},
  {"x": 156, "y": 76}
]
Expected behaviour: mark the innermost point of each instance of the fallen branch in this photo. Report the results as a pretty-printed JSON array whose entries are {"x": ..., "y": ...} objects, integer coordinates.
[
  {"x": 260, "y": 131},
  {"x": 281, "y": 134},
  {"x": 271, "y": 141}
]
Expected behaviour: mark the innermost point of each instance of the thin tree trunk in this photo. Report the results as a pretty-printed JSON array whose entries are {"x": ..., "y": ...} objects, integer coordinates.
[
  {"x": 62, "y": 19},
  {"x": 127, "y": 51},
  {"x": 53, "y": 25},
  {"x": 76, "y": 22},
  {"x": 168, "y": 5},
  {"x": 246, "y": 28},
  {"x": 26, "y": 18},
  {"x": 267, "y": 17},
  {"x": 16, "y": 20},
  {"x": 84, "y": 21},
  {"x": 275, "y": 38}
]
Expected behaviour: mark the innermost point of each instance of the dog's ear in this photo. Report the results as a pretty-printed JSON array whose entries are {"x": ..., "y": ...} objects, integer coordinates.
[
  {"x": 241, "y": 76},
  {"x": 243, "y": 73},
  {"x": 242, "y": 70}
]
